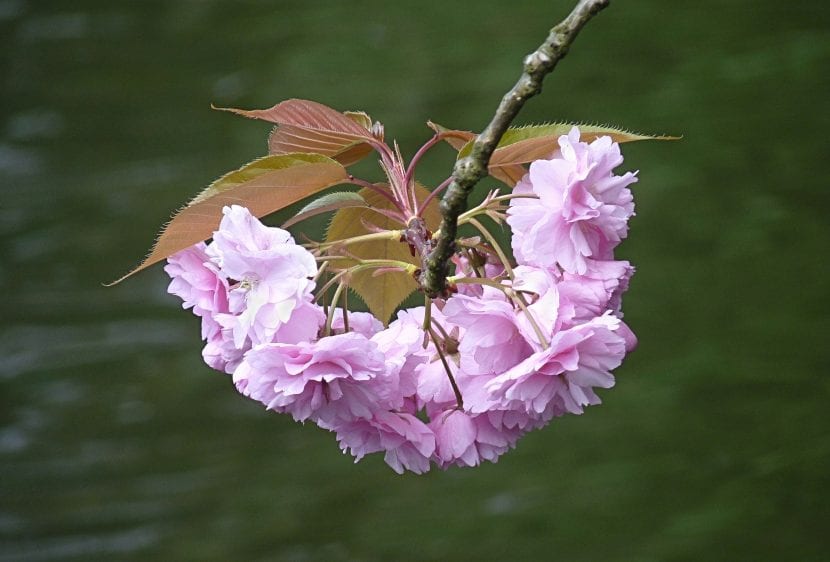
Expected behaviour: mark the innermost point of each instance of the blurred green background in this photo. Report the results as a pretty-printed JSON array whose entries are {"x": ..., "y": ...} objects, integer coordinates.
[{"x": 117, "y": 442}]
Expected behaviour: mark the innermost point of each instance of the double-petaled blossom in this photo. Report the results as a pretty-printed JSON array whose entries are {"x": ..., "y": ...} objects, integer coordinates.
[
  {"x": 404, "y": 354},
  {"x": 200, "y": 285},
  {"x": 561, "y": 378},
  {"x": 464, "y": 439},
  {"x": 338, "y": 377},
  {"x": 360, "y": 322},
  {"x": 273, "y": 276},
  {"x": 251, "y": 284},
  {"x": 407, "y": 442},
  {"x": 582, "y": 209},
  {"x": 195, "y": 280},
  {"x": 492, "y": 341}
]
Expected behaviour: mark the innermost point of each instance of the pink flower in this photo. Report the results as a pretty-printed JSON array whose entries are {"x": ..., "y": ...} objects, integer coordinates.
[
  {"x": 434, "y": 386},
  {"x": 337, "y": 377},
  {"x": 273, "y": 275},
  {"x": 270, "y": 299},
  {"x": 492, "y": 341},
  {"x": 547, "y": 307},
  {"x": 360, "y": 322},
  {"x": 498, "y": 332},
  {"x": 408, "y": 443},
  {"x": 455, "y": 439},
  {"x": 198, "y": 283},
  {"x": 599, "y": 289},
  {"x": 221, "y": 354},
  {"x": 402, "y": 346},
  {"x": 494, "y": 439},
  {"x": 562, "y": 377},
  {"x": 464, "y": 439},
  {"x": 582, "y": 210}
]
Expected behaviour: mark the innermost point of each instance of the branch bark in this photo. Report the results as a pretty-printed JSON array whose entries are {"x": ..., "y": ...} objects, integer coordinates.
[{"x": 469, "y": 170}]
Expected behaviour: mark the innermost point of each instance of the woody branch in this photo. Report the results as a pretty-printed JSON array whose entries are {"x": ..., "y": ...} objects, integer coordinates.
[{"x": 470, "y": 169}]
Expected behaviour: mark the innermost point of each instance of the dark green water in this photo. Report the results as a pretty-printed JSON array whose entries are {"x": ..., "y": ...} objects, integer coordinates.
[{"x": 116, "y": 442}]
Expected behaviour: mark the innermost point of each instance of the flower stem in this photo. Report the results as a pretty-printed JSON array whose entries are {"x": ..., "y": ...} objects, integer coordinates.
[
  {"x": 441, "y": 329},
  {"x": 427, "y": 320},
  {"x": 321, "y": 270},
  {"x": 494, "y": 243},
  {"x": 459, "y": 400},
  {"x": 333, "y": 307},
  {"x": 519, "y": 299},
  {"x": 385, "y": 235},
  {"x": 345, "y": 306},
  {"x": 407, "y": 268},
  {"x": 486, "y": 205}
]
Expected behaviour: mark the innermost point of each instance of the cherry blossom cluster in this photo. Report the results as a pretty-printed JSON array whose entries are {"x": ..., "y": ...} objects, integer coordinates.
[{"x": 455, "y": 382}]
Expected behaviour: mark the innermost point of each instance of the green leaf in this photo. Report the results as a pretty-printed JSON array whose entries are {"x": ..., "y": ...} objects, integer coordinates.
[
  {"x": 521, "y": 145},
  {"x": 385, "y": 292},
  {"x": 326, "y": 203},
  {"x": 263, "y": 186},
  {"x": 547, "y": 135}
]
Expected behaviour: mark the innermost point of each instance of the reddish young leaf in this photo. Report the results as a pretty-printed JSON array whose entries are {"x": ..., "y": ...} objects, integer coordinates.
[
  {"x": 307, "y": 114},
  {"x": 508, "y": 174},
  {"x": 308, "y": 126},
  {"x": 455, "y": 138},
  {"x": 285, "y": 139},
  {"x": 263, "y": 186},
  {"x": 361, "y": 118}
]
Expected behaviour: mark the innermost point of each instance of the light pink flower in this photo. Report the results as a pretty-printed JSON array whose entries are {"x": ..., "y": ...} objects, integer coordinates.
[
  {"x": 221, "y": 354},
  {"x": 360, "y": 322},
  {"x": 273, "y": 275},
  {"x": 498, "y": 332},
  {"x": 582, "y": 210},
  {"x": 402, "y": 346},
  {"x": 408, "y": 442},
  {"x": 455, "y": 439},
  {"x": 464, "y": 439},
  {"x": 434, "y": 388},
  {"x": 562, "y": 377},
  {"x": 599, "y": 289},
  {"x": 628, "y": 336},
  {"x": 492, "y": 341},
  {"x": 494, "y": 439},
  {"x": 517, "y": 420},
  {"x": 337, "y": 377},
  {"x": 198, "y": 283},
  {"x": 540, "y": 289}
]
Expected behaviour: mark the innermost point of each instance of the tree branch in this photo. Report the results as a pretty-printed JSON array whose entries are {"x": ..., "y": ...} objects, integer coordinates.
[{"x": 470, "y": 169}]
